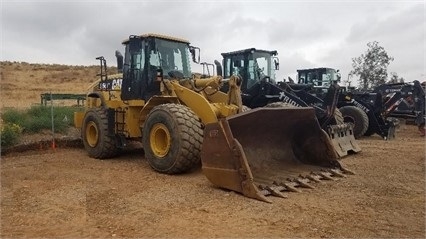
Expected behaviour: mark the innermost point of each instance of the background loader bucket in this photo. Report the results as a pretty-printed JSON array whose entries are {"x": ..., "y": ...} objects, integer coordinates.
[
  {"x": 343, "y": 139},
  {"x": 266, "y": 151}
]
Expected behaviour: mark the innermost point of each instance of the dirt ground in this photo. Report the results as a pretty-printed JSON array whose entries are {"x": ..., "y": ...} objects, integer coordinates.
[{"x": 64, "y": 193}]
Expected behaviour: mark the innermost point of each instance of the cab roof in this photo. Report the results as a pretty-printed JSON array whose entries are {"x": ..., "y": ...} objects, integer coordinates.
[
  {"x": 154, "y": 35},
  {"x": 316, "y": 69},
  {"x": 249, "y": 50}
]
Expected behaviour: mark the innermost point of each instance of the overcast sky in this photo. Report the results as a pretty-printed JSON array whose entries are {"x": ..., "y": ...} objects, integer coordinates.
[{"x": 305, "y": 33}]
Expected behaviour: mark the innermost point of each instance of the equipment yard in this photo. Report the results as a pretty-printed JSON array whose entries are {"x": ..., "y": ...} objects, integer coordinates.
[
  {"x": 64, "y": 193},
  {"x": 154, "y": 130}
]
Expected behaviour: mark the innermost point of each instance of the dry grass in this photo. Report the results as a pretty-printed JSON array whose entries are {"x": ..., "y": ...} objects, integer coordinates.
[{"x": 22, "y": 83}]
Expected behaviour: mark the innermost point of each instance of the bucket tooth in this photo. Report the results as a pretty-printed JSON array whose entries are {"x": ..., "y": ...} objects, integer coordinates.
[
  {"x": 275, "y": 192},
  {"x": 326, "y": 176},
  {"x": 279, "y": 186},
  {"x": 292, "y": 188},
  {"x": 263, "y": 190},
  {"x": 303, "y": 183},
  {"x": 289, "y": 186},
  {"x": 314, "y": 177},
  {"x": 347, "y": 171},
  {"x": 336, "y": 173}
]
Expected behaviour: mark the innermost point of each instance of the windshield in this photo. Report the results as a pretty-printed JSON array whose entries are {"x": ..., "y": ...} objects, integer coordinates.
[
  {"x": 318, "y": 77},
  {"x": 171, "y": 56},
  {"x": 328, "y": 77},
  {"x": 259, "y": 66}
]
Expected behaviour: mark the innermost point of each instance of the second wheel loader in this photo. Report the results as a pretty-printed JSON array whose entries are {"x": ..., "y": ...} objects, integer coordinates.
[
  {"x": 180, "y": 119},
  {"x": 259, "y": 89}
]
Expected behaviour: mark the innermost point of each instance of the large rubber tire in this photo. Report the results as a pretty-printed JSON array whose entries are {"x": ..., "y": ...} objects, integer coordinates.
[
  {"x": 338, "y": 117},
  {"x": 172, "y": 139},
  {"x": 356, "y": 116},
  {"x": 96, "y": 140}
]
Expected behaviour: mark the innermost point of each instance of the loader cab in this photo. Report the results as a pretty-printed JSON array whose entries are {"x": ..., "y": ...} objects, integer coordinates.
[
  {"x": 252, "y": 65},
  {"x": 318, "y": 77},
  {"x": 151, "y": 58}
]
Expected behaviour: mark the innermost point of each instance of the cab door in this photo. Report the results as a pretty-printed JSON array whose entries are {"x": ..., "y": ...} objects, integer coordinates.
[{"x": 133, "y": 70}]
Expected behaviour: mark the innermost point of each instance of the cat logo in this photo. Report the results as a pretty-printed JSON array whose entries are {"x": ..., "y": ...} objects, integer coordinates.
[
  {"x": 111, "y": 84},
  {"x": 116, "y": 84}
]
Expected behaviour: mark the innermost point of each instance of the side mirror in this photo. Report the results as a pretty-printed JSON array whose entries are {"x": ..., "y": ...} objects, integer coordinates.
[
  {"x": 195, "y": 52},
  {"x": 276, "y": 63}
]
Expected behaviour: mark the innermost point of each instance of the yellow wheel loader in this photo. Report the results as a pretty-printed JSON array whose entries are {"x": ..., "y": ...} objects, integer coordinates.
[{"x": 181, "y": 118}]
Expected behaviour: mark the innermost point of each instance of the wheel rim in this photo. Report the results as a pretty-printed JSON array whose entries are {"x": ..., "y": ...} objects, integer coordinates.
[
  {"x": 92, "y": 134},
  {"x": 159, "y": 138}
]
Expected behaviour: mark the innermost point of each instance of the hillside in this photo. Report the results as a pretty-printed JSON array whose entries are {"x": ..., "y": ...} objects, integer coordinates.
[{"x": 22, "y": 83}]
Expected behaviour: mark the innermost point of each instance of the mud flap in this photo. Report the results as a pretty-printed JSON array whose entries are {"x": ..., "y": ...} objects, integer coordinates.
[
  {"x": 267, "y": 151},
  {"x": 343, "y": 139}
]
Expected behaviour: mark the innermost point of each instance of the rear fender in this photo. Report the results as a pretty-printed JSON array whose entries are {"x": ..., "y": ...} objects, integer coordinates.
[
  {"x": 196, "y": 102},
  {"x": 155, "y": 101}
]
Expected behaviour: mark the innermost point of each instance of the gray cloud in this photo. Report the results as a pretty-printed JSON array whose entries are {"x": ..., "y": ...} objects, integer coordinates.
[
  {"x": 401, "y": 34},
  {"x": 306, "y": 34}
]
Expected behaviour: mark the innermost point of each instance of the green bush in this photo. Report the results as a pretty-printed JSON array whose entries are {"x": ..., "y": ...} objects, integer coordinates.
[
  {"x": 39, "y": 118},
  {"x": 13, "y": 116},
  {"x": 10, "y": 134}
]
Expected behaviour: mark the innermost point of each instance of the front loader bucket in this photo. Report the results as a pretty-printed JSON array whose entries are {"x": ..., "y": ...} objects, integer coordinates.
[
  {"x": 267, "y": 151},
  {"x": 343, "y": 140}
]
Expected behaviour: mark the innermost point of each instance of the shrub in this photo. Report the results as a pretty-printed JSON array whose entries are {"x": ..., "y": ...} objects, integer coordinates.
[
  {"x": 39, "y": 118},
  {"x": 13, "y": 116},
  {"x": 10, "y": 134}
]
